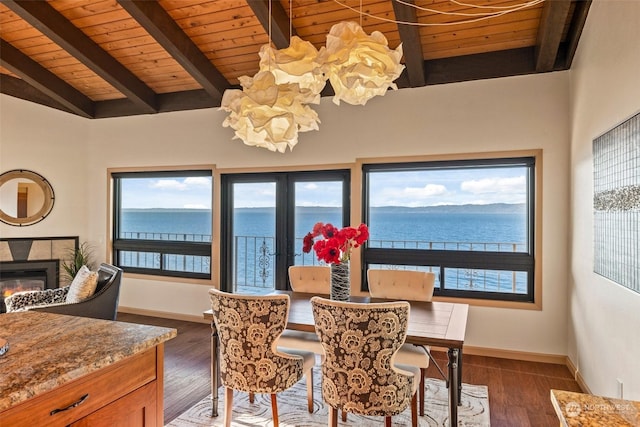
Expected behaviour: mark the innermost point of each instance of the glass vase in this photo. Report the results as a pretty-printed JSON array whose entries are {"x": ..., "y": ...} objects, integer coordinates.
[{"x": 340, "y": 282}]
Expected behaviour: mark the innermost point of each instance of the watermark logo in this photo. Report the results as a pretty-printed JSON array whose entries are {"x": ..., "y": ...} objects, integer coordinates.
[{"x": 572, "y": 409}]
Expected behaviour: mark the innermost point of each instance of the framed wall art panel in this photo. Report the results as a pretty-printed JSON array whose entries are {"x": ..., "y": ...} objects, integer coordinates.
[{"x": 616, "y": 204}]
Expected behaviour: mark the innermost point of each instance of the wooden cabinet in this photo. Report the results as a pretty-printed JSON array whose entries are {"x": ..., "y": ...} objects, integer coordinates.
[{"x": 127, "y": 393}]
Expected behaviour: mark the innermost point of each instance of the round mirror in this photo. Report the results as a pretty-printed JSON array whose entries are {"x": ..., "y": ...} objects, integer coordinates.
[{"x": 25, "y": 197}]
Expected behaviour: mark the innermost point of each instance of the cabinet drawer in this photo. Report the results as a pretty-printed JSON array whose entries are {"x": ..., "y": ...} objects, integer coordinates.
[{"x": 101, "y": 388}]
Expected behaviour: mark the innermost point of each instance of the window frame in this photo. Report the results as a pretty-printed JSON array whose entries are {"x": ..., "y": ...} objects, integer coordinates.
[
  {"x": 479, "y": 260},
  {"x": 285, "y": 181},
  {"x": 162, "y": 247}
]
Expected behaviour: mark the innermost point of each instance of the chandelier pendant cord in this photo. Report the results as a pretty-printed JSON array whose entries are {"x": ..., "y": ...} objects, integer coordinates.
[
  {"x": 270, "y": 42},
  {"x": 481, "y": 16}
]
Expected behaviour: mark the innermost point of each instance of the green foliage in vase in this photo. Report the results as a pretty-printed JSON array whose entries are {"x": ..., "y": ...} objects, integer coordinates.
[{"x": 77, "y": 258}]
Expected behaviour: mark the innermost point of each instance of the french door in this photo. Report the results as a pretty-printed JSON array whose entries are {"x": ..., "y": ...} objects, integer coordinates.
[{"x": 264, "y": 219}]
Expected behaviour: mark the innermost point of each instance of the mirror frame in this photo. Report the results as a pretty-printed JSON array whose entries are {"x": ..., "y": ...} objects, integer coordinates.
[{"x": 47, "y": 189}]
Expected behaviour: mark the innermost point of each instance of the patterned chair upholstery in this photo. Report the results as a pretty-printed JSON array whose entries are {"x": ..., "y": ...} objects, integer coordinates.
[
  {"x": 312, "y": 279},
  {"x": 405, "y": 285},
  {"x": 248, "y": 327},
  {"x": 358, "y": 372},
  {"x": 103, "y": 304}
]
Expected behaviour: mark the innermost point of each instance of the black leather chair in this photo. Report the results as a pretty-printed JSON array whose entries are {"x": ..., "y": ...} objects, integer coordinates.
[{"x": 103, "y": 304}]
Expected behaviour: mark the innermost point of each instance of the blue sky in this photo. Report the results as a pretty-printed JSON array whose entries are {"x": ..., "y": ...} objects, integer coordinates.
[
  {"x": 438, "y": 187},
  {"x": 186, "y": 193}
]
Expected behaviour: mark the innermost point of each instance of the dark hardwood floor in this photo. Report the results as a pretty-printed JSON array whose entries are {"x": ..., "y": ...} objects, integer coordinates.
[{"x": 518, "y": 391}]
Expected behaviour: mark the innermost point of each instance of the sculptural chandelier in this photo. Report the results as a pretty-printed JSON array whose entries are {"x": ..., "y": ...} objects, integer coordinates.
[{"x": 273, "y": 106}]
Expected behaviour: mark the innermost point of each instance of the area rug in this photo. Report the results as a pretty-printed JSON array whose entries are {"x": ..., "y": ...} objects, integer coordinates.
[{"x": 292, "y": 409}]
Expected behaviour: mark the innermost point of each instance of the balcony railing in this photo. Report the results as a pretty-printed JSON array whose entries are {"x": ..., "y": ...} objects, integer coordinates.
[
  {"x": 174, "y": 237},
  {"x": 253, "y": 270},
  {"x": 254, "y": 261}
]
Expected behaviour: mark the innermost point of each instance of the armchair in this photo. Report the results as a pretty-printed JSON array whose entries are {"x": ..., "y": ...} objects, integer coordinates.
[{"x": 103, "y": 304}]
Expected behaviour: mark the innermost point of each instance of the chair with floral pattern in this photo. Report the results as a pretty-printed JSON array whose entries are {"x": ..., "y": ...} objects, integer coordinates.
[
  {"x": 409, "y": 285},
  {"x": 248, "y": 328},
  {"x": 358, "y": 371}
]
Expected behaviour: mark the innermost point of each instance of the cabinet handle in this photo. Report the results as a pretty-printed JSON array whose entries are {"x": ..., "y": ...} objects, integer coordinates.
[{"x": 73, "y": 405}]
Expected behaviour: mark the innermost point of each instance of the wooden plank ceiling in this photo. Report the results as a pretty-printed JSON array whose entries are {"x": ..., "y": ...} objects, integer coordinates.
[{"x": 106, "y": 58}]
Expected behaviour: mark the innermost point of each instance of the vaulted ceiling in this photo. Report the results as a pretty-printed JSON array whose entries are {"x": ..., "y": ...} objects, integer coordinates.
[{"x": 106, "y": 58}]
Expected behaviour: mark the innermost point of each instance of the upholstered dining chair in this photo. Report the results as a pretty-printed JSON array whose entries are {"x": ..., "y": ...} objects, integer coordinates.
[
  {"x": 312, "y": 279},
  {"x": 248, "y": 327},
  {"x": 405, "y": 285},
  {"x": 359, "y": 374}
]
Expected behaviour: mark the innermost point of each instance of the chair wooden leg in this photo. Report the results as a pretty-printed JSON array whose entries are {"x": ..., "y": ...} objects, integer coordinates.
[
  {"x": 252, "y": 397},
  {"x": 414, "y": 411},
  {"x": 274, "y": 409},
  {"x": 387, "y": 421},
  {"x": 344, "y": 416},
  {"x": 310, "y": 390},
  {"x": 228, "y": 406},
  {"x": 333, "y": 417},
  {"x": 423, "y": 373}
]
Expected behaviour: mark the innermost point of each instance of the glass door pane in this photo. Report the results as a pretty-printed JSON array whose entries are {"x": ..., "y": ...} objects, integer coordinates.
[
  {"x": 315, "y": 201},
  {"x": 253, "y": 236}
]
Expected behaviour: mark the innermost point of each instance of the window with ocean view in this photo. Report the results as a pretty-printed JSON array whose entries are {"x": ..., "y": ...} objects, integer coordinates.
[
  {"x": 265, "y": 217},
  {"x": 469, "y": 221},
  {"x": 162, "y": 222}
]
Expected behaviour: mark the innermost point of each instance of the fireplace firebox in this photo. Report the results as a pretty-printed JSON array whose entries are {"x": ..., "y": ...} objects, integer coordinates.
[{"x": 17, "y": 276}]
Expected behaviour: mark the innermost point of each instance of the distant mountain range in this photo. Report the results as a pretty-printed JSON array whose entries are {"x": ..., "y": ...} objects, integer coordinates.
[{"x": 491, "y": 208}]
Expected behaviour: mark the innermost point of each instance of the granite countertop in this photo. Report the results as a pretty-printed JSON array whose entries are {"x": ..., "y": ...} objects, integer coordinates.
[
  {"x": 586, "y": 410},
  {"x": 47, "y": 350}
]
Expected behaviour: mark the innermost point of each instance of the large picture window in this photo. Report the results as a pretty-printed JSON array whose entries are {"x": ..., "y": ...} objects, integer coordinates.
[
  {"x": 162, "y": 222},
  {"x": 469, "y": 221}
]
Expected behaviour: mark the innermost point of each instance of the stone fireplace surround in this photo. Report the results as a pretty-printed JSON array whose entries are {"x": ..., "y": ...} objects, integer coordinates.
[{"x": 57, "y": 249}]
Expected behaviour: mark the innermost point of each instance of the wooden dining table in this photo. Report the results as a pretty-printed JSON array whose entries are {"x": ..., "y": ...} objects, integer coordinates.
[{"x": 438, "y": 324}]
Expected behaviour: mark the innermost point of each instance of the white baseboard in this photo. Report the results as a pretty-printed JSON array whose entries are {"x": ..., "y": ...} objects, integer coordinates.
[
  {"x": 559, "y": 359},
  {"x": 577, "y": 375}
]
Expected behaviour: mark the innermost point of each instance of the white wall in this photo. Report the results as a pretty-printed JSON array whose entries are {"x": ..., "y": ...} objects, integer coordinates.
[
  {"x": 53, "y": 144},
  {"x": 527, "y": 112},
  {"x": 604, "y": 323}
]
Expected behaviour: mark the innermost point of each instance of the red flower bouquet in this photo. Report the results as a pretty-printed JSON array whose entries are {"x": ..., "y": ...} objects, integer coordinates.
[{"x": 335, "y": 245}]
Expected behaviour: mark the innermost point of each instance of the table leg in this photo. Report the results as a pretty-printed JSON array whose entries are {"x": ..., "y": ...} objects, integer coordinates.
[
  {"x": 454, "y": 386},
  {"x": 214, "y": 370},
  {"x": 459, "y": 377}
]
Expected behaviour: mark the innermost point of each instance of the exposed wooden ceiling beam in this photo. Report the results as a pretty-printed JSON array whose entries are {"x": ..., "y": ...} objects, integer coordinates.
[
  {"x": 514, "y": 62},
  {"x": 575, "y": 30},
  {"x": 411, "y": 45},
  {"x": 554, "y": 15},
  {"x": 44, "y": 80},
  {"x": 279, "y": 21},
  {"x": 173, "y": 39},
  {"x": 55, "y": 26},
  {"x": 19, "y": 88},
  {"x": 174, "y": 101}
]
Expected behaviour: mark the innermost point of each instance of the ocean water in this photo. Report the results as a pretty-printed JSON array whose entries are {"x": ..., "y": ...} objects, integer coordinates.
[{"x": 398, "y": 227}]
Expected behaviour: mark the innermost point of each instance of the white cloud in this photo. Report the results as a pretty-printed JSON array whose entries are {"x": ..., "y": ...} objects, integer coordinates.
[
  {"x": 428, "y": 190},
  {"x": 516, "y": 184},
  {"x": 200, "y": 181},
  {"x": 185, "y": 184},
  {"x": 311, "y": 186},
  {"x": 169, "y": 184}
]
